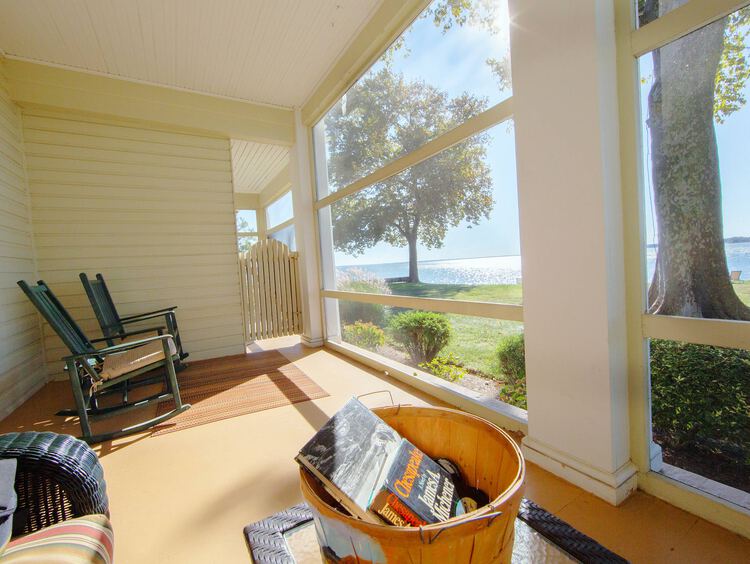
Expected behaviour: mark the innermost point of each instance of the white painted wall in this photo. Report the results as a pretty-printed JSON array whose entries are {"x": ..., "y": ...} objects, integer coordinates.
[
  {"x": 565, "y": 111},
  {"x": 152, "y": 210},
  {"x": 21, "y": 360}
]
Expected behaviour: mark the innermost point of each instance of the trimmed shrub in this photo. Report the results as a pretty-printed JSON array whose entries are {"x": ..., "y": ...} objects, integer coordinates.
[
  {"x": 700, "y": 398},
  {"x": 356, "y": 280},
  {"x": 514, "y": 394},
  {"x": 448, "y": 367},
  {"x": 363, "y": 334},
  {"x": 510, "y": 353},
  {"x": 421, "y": 334}
]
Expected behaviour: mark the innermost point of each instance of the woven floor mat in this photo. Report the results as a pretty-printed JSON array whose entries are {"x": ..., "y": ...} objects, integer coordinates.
[{"x": 222, "y": 388}]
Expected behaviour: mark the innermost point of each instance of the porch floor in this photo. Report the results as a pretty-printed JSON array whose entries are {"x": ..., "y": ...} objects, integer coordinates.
[{"x": 185, "y": 496}]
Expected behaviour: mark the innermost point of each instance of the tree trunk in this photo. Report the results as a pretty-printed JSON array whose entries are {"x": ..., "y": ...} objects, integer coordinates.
[
  {"x": 691, "y": 276},
  {"x": 413, "y": 266}
]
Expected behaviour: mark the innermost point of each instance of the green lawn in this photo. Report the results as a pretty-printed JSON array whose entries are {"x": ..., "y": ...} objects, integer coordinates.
[
  {"x": 474, "y": 338},
  {"x": 742, "y": 289},
  {"x": 498, "y": 293}
]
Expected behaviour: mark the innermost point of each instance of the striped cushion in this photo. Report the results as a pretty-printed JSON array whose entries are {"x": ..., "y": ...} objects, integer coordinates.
[
  {"x": 118, "y": 364},
  {"x": 86, "y": 540}
]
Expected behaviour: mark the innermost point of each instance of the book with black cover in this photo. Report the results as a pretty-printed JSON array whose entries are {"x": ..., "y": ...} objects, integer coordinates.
[
  {"x": 416, "y": 490},
  {"x": 350, "y": 455}
]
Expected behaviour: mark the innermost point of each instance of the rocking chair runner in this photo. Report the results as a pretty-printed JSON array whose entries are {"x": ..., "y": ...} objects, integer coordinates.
[
  {"x": 113, "y": 326},
  {"x": 97, "y": 372}
]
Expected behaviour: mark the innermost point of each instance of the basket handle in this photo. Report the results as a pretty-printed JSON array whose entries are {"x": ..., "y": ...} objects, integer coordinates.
[
  {"x": 378, "y": 392},
  {"x": 432, "y": 538}
]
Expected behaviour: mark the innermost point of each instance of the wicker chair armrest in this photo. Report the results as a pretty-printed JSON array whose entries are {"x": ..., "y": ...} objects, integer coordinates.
[{"x": 58, "y": 477}]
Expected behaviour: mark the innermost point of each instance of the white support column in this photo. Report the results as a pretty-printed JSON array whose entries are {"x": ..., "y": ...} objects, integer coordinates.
[
  {"x": 566, "y": 121},
  {"x": 304, "y": 224},
  {"x": 325, "y": 226},
  {"x": 260, "y": 218}
]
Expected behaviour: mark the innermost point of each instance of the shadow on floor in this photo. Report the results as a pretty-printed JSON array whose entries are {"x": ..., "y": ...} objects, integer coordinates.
[{"x": 262, "y": 363}]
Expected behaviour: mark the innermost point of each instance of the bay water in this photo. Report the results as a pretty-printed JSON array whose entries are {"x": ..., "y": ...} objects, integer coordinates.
[{"x": 507, "y": 269}]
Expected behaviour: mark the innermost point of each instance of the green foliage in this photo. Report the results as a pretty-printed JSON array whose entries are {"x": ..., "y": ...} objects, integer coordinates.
[
  {"x": 510, "y": 356},
  {"x": 351, "y": 312},
  {"x": 242, "y": 224},
  {"x": 245, "y": 243},
  {"x": 734, "y": 70},
  {"x": 381, "y": 118},
  {"x": 357, "y": 280},
  {"x": 700, "y": 398},
  {"x": 510, "y": 353},
  {"x": 447, "y": 13},
  {"x": 421, "y": 334},
  {"x": 514, "y": 394},
  {"x": 364, "y": 335},
  {"x": 475, "y": 338},
  {"x": 448, "y": 367}
]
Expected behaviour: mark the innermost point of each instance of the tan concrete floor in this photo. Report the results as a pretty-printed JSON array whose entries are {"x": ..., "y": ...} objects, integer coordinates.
[{"x": 184, "y": 497}]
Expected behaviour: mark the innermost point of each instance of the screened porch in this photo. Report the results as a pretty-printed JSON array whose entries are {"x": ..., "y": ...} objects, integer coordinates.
[{"x": 532, "y": 212}]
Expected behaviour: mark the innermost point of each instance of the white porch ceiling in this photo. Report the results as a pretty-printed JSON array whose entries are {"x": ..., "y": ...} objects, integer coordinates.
[
  {"x": 266, "y": 51},
  {"x": 254, "y": 165}
]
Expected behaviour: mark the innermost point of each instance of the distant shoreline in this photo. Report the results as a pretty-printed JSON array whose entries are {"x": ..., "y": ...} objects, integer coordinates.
[{"x": 727, "y": 240}]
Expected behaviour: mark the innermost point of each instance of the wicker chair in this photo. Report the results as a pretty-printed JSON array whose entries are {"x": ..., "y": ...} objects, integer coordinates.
[{"x": 58, "y": 478}]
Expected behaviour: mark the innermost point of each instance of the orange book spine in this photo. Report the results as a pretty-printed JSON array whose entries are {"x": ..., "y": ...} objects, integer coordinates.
[{"x": 395, "y": 511}]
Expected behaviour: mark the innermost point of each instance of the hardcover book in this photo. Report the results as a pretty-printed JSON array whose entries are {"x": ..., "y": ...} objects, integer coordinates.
[
  {"x": 416, "y": 490},
  {"x": 350, "y": 456}
]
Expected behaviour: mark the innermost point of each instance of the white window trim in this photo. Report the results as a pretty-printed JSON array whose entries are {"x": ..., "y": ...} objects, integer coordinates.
[
  {"x": 489, "y": 118},
  {"x": 280, "y": 226},
  {"x": 491, "y": 310},
  {"x": 680, "y": 22},
  {"x": 631, "y": 44},
  {"x": 271, "y": 228},
  {"x": 501, "y": 414}
]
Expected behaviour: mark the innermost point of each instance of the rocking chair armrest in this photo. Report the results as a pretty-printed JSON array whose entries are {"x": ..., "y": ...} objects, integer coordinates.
[
  {"x": 145, "y": 317},
  {"x": 122, "y": 347},
  {"x": 129, "y": 333},
  {"x": 148, "y": 314}
]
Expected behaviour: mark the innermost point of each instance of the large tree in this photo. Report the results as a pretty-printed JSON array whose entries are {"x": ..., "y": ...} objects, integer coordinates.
[
  {"x": 697, "y": 80},
  {"x": 385, "y": 116}
]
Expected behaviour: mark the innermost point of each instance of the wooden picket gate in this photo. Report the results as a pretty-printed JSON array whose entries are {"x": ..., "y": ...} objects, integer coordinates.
[{"x": 270, "y": 290}]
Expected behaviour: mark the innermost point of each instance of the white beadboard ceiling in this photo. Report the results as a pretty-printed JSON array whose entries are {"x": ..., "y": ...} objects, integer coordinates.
[
  {"x": 254, "y": 165},
  {"x": 267, "y": 51}
]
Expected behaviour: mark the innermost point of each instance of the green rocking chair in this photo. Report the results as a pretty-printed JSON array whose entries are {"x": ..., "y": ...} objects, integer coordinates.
[
  {"x": 113, "y": 326},
  {"x": 95, "y": 372}
]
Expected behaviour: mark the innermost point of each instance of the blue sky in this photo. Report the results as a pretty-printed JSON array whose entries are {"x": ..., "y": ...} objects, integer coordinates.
[{"x": 455, "y": 63}]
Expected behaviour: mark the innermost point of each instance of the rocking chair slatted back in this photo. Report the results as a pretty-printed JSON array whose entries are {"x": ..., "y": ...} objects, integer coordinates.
[
  {"x": 104, "y": 307},
  {"x": 56, "y": 315}
]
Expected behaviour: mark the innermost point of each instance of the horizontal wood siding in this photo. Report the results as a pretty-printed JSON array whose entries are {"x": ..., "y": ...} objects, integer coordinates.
[
  {"x": 151, "y": 210},
  {"x": 21, "y": 359}
]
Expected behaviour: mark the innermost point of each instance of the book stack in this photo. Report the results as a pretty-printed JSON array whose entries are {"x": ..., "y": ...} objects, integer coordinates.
[{"x": 377, "y": 475}]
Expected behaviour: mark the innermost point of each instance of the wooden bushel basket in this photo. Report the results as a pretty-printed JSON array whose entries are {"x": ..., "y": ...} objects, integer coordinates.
[{"x": 488, "y": 458}]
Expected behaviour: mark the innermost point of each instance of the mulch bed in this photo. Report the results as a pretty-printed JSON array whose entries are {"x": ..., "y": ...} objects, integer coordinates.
[{"x": 710, "y": 465}]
